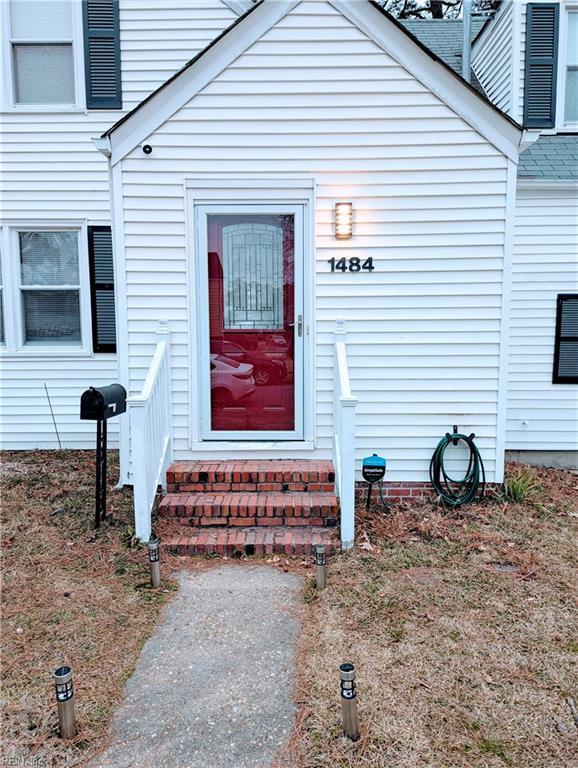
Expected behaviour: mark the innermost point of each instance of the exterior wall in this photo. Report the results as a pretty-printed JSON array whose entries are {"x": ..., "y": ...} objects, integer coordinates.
[
  {"x": 51, "y": 171},
  {"x": 315, "y": 98},
  {"x": 493, "y": 59},
  {"x": 541, "y": 416}
]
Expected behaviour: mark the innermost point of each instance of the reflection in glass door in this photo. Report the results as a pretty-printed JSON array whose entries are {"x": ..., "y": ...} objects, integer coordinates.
[{"x": 252, "y": 332}]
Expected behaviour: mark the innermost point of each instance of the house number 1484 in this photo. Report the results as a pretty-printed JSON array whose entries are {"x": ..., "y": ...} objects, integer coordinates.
[{"x": 353, "y": 264}]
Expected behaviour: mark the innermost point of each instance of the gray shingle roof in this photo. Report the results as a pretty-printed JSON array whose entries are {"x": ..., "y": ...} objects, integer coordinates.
[
  {"x": 443, "y": 36},
  {"x": 551, "y": 157}
]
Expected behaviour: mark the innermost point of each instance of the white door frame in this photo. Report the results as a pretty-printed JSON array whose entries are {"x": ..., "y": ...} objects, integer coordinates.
[{"x": 201, "y": 211}]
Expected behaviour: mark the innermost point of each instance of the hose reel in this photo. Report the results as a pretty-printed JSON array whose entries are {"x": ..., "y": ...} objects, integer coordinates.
[{"x": 457, "y": 492}]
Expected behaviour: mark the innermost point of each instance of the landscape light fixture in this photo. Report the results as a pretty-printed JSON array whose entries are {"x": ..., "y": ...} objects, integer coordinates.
[
  {"x": 154, "y": 558},
  {"x": 320, "y": 562},
  {"x": 65, "y": 702},
  {"x": 349, "y": 702},
  {"x": 343, "y": 221}
]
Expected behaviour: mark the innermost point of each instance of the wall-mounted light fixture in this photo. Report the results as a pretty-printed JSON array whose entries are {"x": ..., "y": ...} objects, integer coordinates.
[{"x": 343, "y": 221}]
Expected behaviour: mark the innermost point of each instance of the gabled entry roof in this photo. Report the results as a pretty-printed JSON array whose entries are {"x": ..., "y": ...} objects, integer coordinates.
[{"x": 385, "y": 30}]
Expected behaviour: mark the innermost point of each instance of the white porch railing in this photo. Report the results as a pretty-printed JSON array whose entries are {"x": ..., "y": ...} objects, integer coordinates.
[
  {"x": 151, "y": 434},
  {"x": 344, "y": 404}
]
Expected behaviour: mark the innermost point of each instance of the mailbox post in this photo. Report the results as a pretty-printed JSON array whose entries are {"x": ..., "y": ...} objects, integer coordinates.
[{"x": 100, "y": 405}]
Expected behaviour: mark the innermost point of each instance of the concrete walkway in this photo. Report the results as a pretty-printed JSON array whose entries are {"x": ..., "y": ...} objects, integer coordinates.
[{"x": 213, "y": 686}]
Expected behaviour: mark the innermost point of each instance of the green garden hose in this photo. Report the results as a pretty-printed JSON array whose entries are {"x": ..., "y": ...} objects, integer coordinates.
[{"x": 452, "y": 492}]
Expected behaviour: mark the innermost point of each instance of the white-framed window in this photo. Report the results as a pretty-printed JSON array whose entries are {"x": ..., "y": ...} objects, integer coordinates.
[
  {"x": 570, "y": 68},
  {"x": 2, "y": 333},
  {"x": 567, "y": 77},
  {"x": 43, "y": 55},
  {"x": 46, "y": 290}
]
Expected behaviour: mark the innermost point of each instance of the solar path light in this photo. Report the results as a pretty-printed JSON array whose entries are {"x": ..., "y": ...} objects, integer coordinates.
[
  {"x": 321, "y": 566},
  {"x": 154, "y": 560},
  {"x": 65, "y": 702},
  {"x": 349, "y": 702}
]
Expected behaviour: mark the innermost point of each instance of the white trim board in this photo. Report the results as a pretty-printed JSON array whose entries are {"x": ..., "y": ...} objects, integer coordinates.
[
  {"x": 439, "y": 79},
  {"x": 201, "y": 212},
  {"x": 280, "y": 190}
]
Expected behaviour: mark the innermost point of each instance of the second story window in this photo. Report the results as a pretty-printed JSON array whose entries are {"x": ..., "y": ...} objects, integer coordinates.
[
  {"x": 42, "y": 49},
  {"x": 571, "y": 79}
]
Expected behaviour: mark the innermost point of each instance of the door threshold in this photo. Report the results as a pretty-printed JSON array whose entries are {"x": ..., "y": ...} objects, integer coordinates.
[{"x": 253, "y": 446}]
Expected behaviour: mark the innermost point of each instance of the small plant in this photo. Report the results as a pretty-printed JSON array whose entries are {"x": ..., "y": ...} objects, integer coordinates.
[{"x": 520, "y": 486}]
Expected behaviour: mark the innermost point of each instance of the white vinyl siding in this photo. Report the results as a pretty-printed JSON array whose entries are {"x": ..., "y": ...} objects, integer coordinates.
[
  {"x": 493, "y": 59},
  {"x": 25, "y": 418},
  {"x": 541, "y": 415},
  {"x": 51, "y": 172},
  {"x": 315, "y": 98}
]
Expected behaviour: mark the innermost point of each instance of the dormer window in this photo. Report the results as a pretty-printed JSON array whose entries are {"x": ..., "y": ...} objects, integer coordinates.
[{"x": 571, "y": 70}]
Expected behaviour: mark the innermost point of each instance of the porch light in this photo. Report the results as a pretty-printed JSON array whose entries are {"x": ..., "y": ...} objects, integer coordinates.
[{"x": 343, "y": 221}]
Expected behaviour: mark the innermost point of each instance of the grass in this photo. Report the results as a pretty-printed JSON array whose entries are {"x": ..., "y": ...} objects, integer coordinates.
[
  {"x": 520, "y": 485},
  {"x": 463, "y": 629},
  {"x": 69, "y": 595},
  {"x": 462, "y": 625}
]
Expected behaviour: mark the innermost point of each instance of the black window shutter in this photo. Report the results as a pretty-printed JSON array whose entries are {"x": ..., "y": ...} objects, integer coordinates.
[
  {"x": 541, "y": 65},
  {"x": 102, "y": 289},
  {"x": 102, "y": 54},
  {"x": 566, "y": 346}
]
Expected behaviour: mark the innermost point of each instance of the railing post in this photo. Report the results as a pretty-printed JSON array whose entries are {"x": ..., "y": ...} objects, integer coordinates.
[
  {"x": 344, "y": 434},
  {"x": 340, "y": 331},
  {"x": 142, "y": 518},
  {"x": 164, "y": 334},
  {"x": 347, "y": 484}
]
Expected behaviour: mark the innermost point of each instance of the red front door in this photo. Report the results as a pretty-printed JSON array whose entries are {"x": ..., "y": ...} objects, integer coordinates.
[{"x": 251, "y": 260}]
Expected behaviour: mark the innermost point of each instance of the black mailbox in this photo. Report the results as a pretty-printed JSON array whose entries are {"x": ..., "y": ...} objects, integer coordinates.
[{"x": 98, "y": 404}]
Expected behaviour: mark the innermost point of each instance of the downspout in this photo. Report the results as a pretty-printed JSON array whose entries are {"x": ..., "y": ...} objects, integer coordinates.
[
  {"x": 104, "y": 147},
  {"x": 467, "y": 41}
]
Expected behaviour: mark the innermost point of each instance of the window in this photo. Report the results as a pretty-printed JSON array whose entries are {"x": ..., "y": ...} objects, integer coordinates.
[
  {"x": 50, "y": 288},
  {"x": 42, "y": 53},
  {"x": 566, "y": 344},
  {"x": 2, "y": 337},
  {"x": 571, "y": 84},
  {"x": 57, "y": 290}
]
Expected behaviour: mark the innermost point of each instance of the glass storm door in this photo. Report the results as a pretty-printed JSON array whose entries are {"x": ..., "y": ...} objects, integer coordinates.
[{"x": 253, "y": 326}]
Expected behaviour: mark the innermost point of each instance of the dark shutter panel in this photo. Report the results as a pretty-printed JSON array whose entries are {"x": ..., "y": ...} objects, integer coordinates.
[
  {"x": 541, "y": 65},
  {"x": 102, "y": 289},
  {"x": 566, "y": 346},
  {"x": 102, "y": 54}
]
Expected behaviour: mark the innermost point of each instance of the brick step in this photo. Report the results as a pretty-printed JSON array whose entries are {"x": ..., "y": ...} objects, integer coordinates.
[
  {"x": 233, "y": 542},
  {"x": 251, "y": 475},
  {"x": 251, "y": 509}
]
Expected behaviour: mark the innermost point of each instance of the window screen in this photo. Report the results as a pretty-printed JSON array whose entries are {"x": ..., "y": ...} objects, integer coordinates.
[
  {"x": 566, "y": 345},
  {"x": 571, "y": 96},
  {"x": 50, "y": 287},
  {"x": 42, "y": 52},
  {"x": 2, "y": 336}
]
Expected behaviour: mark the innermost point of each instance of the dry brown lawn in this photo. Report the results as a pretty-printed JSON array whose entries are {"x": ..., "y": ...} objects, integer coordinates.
[
  {"x": 463, "y": 629},
  {"x": 464, "y": 633},
  {"x": 69, "y": 595}
]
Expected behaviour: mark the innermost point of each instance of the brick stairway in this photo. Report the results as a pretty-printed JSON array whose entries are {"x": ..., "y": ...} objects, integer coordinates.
[{"x": 251, "y": 507}]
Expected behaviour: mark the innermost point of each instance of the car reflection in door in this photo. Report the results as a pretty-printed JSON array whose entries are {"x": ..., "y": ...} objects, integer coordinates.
[
  {"x": 268, "y": 361},
  {"x": 231, "y": 381}
]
